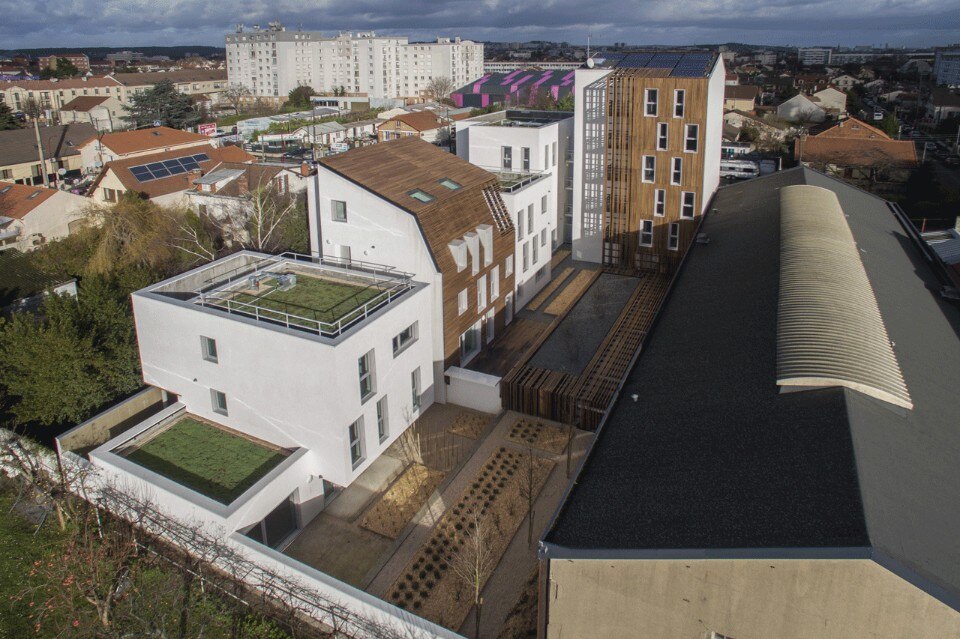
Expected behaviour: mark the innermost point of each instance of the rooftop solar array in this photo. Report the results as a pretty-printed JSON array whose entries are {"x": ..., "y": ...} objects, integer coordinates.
[
  {"x": 166, "y": 168},
  {"x": 681, "y": 65}
]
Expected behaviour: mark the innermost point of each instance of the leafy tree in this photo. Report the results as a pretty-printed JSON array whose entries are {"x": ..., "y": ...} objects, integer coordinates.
[
  {"x": 300, "y": 97},
  {"x": 890, "y": 125},
  {"x": 76, "y": 357},
  {"x": 65, "y": 69},
  {"x": 7, "y": 119},
  {"x": 234, "y": 95},
  {"x": 164, "y": 104}
]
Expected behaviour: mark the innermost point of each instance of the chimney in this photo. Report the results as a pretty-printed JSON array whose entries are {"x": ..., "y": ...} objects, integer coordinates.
[{"x": 305, "y": 170}]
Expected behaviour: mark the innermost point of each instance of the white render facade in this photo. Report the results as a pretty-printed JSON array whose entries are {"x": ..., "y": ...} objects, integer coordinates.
[
  {"x": 272, "y": 62},
  {"x": 532, "y": 152},
  {"x": 296, "y": 385}
]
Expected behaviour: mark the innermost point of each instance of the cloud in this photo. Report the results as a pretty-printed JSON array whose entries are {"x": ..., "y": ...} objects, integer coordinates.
[{"x": 796, "y": 22}]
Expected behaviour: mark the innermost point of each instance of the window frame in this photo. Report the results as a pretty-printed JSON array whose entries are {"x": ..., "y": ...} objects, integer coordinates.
[
  {"x": 647, "y": 102},
  {"x": 473, "y": 329},
  {"x": 663, "y": 136},
  {"x": 659, "y": 202},
  {"x": 365, "y": 374},
  {"x": 679, "y": 102},
  {"x": 676, "y": 171},
  {"x": 696, "y": 138},
  {"x": 646, "y": 229},
  {"x": 652, "y": 160},
  {"x": 399, "y": 344},
  {"x": 673, "y": 236},
  {"x": 205, "y": 351},
  {"x": 692, "y": 205},
  {"x": 334, "y": 213},
  {"x": 506, "y": 157},
  {"x": 416, "y": 389},
  {"x": 355, "y": 438},
  {"x": 383, "y": 419},
  {"x": 218, "y": 400},
  {"x": 463, "y": 301},
  {"x": 525, "y": 158}
]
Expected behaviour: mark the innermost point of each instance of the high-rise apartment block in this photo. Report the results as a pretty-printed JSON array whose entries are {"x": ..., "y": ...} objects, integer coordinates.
[
  {"x": 271, "y": 62},
  {"x": 647, "y": 134}
]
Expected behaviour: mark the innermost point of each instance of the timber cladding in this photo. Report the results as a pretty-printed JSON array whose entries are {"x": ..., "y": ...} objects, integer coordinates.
[
  {"x": 631, "y": 135},
  {"x": 393, "y": 171}
]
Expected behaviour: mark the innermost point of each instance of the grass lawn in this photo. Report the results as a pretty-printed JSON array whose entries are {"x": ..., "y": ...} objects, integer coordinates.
[
  {"x": 313, "y": 298},
  {"x": 206, "y": 459}
]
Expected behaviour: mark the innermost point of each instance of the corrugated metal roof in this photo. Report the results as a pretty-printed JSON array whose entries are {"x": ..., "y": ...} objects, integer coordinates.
[
  {"x": 829, "y": 328},
  {"x": 947, "y": 246}
]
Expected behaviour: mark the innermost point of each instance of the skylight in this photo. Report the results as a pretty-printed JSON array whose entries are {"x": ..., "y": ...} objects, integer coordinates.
[
  {"x": 450, "y": 184},
  {"x": 166, "y": 168},
  {"x": 420, "y": 196}
]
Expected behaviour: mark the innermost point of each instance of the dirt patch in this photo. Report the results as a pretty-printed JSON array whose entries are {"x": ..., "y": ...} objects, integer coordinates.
[
  {"x": 548, "y": 290},
  {"x": 391, "y": 513},
  {"x": 428, "y": 587},
  {"x": 571, "y": 293},
  {"x": 521, "y": 623},
  {"x": 470, "y": 424},
  {"x": 531, "y": 432}
]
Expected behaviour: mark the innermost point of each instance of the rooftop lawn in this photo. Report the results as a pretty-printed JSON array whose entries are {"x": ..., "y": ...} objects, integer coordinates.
[
  {"x": 312, "y": 297},
  {"x": 207, "y": 459}
]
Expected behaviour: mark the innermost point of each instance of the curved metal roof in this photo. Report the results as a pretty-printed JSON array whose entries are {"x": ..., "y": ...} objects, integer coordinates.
[{"x": 829, "y": 328}]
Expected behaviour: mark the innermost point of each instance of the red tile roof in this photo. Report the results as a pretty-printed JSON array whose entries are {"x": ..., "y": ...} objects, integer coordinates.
[
  {"x": 861, "y": 152},
  {"x": 16, "y": 200},
  {"x": 140, "y": 140},
  {"x": 418, "y": 121},
  {"x": 853, "y": 128}
]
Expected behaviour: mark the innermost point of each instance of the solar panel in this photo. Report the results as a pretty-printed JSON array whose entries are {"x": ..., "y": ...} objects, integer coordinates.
[
  {"x": 155, "y": 166},
  {"x": 166, "y": 168},
  {"x": 141, "y": 173},
  {"x": 161, "y": 172},
  {"x": 201, "y": 157},
  {"x": 177, "y": 170},
  {"x": 171, "y": 163}
]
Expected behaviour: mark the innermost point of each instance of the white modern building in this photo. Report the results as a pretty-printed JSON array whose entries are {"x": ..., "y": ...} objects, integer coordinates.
[
  {"x": 946, "y": 67},
  {"x": 314, "y": 366},
  {"x": 273, "y": 61},
  {"x": 814, "y": 55},
  {"x": 532, "y": 154}
]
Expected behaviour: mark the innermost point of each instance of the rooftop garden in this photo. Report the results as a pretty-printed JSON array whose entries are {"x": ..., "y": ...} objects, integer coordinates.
[{"x": 208, "y": 459}]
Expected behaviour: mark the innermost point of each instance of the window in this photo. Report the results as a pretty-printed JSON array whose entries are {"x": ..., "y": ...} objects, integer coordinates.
[
  {"x": 690, "y": 139},
  {"x": 415, "y": 388},
  {"x": 506, "y": 157},
  {"x": 536, "y": 250},
  {"x": 662, "y": 136},
  {"x": 676, "y": 174},
  {"x": 546, "y": 155},
  {"x": 526, "y": 256},
  {"x": 450, "y": 184},
  {"x": 679, "y": 96},
  {"x": 208, "y": 347},
  {"x": 520, "y": 223},
  {"x": 687, "y": 201},
  {"x": 650, "y": 100},
  {"x": 525, "y": 158},
  {"x": 365, "y": 368},
  {"x": 553, "y": 148},
  {"x": 508, "y": 266},
  {"x": 219, "y": 401},
  {"x": 339, "y": 211},
  {"x": 530, "y": 218},
  {"x": 543, "y": 205},
  {"x": 420, "y": 196},
  {"x": 494, "y": 283},
  {"x": 462, "y": 302},
  {"x": 405, "y": 338},
  {"x": 383, "y": 430},
  {"x": 481, "y": 293},
  {"x": 649, "y": 168},
  {"x": 673, "y": 239},
  {"x": 646, "y": 232},
  {"x": 659, "y": 202},
  {"x": 355, "y": 434},
  {"x": 469, "y": 343}
]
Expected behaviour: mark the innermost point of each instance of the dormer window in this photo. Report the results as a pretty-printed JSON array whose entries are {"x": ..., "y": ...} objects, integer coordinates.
[{"x": 420, "y": 196}]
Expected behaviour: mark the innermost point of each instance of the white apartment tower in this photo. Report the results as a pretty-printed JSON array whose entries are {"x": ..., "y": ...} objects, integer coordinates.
[{"x": 271, "y": 62}]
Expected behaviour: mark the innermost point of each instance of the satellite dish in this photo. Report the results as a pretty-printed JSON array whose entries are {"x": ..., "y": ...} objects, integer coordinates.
[
  {"x": 590, "y": 63},
  {"x": 62, "y": 172},
  {"x": 157, "y": 123},
  {"x": 98, "y": 164}
]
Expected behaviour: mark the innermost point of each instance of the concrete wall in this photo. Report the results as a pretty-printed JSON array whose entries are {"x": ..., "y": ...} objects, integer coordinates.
[
  {"x": 474, "y": 390},
  {"x": 517, "y": 204},
  {"x": 103, "y": 427},
  {"x": 746, "y": 599}
]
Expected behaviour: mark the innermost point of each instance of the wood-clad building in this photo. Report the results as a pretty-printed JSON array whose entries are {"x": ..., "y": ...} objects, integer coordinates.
[
  {"x": 410, "y": 205},
  {"x": 650, "y": 126}
]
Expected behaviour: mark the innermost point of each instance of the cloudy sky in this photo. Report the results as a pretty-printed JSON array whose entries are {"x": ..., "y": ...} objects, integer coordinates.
[{"x": 132, "y": 23}]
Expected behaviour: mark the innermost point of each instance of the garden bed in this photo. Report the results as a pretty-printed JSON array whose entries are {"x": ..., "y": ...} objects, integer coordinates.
[
  {"x": 391, "y": 513},
  {"x": 532, "y": 432},
  {"x": 470, "y": 424},
  {"x": 428, "y": 586}
]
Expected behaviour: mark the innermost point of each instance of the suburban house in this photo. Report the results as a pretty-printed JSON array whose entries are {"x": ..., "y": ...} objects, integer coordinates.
[
  {"x": 770, "y": 127},
  {"x": 162, "y": 177},
  {"x": 531, "y": 152},
  {"x": 104, "y": 112},
  {"x": 121, "y": 145},
  {"x": 800, "y": 485},
  {"x": 30, "y": 216},
  {"x": 944, "y": 103},
  {"x": 648, "y": 132},
  {"x": 20, "y": 157},
  {"x": 227, "y": 190},
  {"x": 831, "y": 100},
  {"x": 421, "y": 124},
  {"x": 845, "y": 82},
  {"x": 858, "y": 152},
  {"x": 421, "y": 210},
  {"x": 801, "y": 108},
  {"x": 740, "y": 97}
]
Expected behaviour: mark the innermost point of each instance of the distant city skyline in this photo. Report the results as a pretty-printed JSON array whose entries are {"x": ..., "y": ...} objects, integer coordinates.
[{"x": 133, "y": 23}]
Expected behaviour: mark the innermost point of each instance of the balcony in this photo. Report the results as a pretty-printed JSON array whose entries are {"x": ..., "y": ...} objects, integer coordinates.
[{"x": 513, "y": 180}]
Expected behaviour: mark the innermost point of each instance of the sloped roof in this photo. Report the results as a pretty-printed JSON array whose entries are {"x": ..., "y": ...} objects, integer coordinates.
[
  {"x": 183, "y": 75},
  {"x": 852, "y": 128},
  {"x": 84, "y": 102},
  {"x": 173, "y": 183},
  {"x": 16, "y": 200},
  {"x": 732, "y": 465},
  {"x": 863, "y": 152},
  {"x": 418, "y": 121},
  {"x": 139, "y": 140},
  {"x": 741, "y": 92},
  {"x": 393, "y": 169},
  {"x": 18, "y": 146},
  {"x": 56, "y": 85},
  {"x": 945, "y": 97}
]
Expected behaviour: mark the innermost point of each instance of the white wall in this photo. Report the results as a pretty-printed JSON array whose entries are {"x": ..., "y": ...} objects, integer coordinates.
[
  {"x": 517, "y": 203},
  {"x": 287, "y": 386},
  {"x": 587, "y": 243},
  {"x": 474, "y": 390},
  {"x": 50, "y": 220},
  {"x": 713, "y": 135}
]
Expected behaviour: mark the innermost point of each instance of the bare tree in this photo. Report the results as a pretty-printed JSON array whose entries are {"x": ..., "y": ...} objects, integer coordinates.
[
  {"x": 473, "y": 561},
  {"x": 258, "y": 222},
  {"x": 235, "y": 95},
  {"x": 439, "y": 88},
  {"x": 528, "y": 488}
]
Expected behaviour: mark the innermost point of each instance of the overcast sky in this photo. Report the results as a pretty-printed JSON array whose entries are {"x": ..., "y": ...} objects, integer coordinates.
[{"x": 133, "y": 23}]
